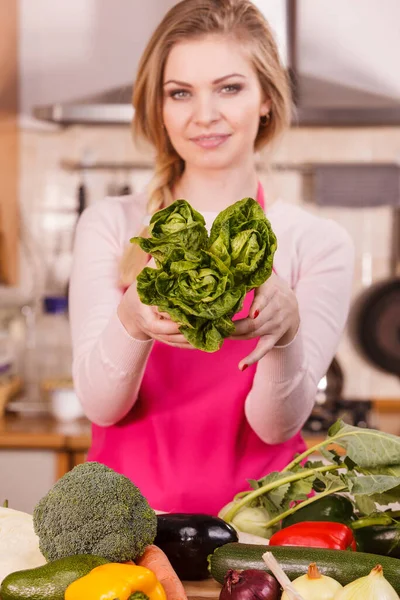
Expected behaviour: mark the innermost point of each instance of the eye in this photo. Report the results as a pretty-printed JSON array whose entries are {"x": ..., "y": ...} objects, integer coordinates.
[
  {"x": 232, "y": 88},
  {"x": 178, "y": 94}
]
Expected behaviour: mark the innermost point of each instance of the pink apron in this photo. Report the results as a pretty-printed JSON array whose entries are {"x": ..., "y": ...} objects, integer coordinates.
[{"x": 186, "y": 442}]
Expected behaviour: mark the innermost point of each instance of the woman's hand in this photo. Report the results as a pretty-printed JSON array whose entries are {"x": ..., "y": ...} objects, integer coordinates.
[
  {"x": 144, "y": 322},
  {"x": 273, "y": 317}
]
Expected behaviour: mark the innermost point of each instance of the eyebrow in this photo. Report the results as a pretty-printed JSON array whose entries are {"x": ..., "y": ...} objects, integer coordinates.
[{"x": 219, "y": 80}]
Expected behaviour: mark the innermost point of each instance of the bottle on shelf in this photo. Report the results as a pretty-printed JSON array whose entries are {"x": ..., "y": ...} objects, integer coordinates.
[{"x": 54, "y": 343}]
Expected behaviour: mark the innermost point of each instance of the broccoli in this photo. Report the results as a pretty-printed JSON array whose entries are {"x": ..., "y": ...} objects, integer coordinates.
[{"x": 94, "y": 510}]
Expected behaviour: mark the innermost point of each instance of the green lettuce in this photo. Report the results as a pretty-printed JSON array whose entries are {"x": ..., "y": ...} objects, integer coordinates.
[
  {"x": 178, "y": 225},
  {"x": 243, "y": 239},
  {"x": 198, "y": 292},
  {"x": 201, "y": 282}
]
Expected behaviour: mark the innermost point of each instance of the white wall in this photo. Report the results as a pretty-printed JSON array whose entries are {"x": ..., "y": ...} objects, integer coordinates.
[
  {"x": 275, "y": 13},
  {"x": 73, "y": 48},
  {"x": 356, "y": 43},
  {"x": 69, "y": 49}
]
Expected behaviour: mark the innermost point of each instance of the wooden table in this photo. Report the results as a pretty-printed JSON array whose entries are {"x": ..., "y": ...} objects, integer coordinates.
[{"x": 202, "y": 590}]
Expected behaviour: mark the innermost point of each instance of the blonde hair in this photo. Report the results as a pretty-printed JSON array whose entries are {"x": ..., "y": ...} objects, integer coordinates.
[{"x": 187, "y": 20}]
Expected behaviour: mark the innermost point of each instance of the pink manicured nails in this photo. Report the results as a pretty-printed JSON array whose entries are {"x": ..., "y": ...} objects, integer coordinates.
[
  {"x": 256, "y": 313},
  {"x": 244, "y": 367}
]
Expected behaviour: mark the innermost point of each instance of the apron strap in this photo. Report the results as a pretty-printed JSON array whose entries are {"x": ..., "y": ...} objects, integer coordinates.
[{"x": 260, "y": 196}]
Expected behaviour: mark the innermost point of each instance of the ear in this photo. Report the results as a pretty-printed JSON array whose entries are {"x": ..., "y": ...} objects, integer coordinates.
[{"x": 265, "y": 107}]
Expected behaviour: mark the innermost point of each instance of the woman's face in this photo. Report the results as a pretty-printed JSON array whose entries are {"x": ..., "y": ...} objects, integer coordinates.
[{"x": 212, "y": 102}]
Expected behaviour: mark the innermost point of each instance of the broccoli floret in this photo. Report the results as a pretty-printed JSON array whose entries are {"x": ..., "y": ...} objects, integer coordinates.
[{"x": 94, "y": 510}]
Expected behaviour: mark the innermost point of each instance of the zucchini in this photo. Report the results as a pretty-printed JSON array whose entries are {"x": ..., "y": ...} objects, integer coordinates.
[
  {"x": 342, "y": 565},
  {"x": 49, "y": 581}
]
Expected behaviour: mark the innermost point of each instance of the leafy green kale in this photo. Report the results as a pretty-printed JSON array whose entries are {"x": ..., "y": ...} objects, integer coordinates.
[{"x": 201, "y": 282}]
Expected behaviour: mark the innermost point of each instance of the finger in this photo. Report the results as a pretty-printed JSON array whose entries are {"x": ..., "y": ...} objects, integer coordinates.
[
  {"x": 246, "y": 329},
  {"x": 264, "y": 346},
  {"x": 159, "y": 327},
  {"x": 185, "y": 346},
  {"x": 178, "y": 341},
  {"x": 262, "y": 297},
  {"x": 173, "y": 339},
  {"x": 164, "y": 315}
]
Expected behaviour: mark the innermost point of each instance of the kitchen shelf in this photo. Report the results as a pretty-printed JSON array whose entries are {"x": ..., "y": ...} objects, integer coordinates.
[{"x": 71, "y": 165}]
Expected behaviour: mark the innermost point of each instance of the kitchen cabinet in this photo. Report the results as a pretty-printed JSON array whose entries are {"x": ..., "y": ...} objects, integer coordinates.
[
  {"x": 26, "y": 476},
  {"x": 9, "y": 143},
  {"x": 35, "y": 451}
]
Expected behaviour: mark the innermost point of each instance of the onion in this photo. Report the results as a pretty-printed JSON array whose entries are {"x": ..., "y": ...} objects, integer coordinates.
[
  {"x": 250, "y": 584},
  {"x": 372, "y": 587},
  {"x": 314, "y": 586}
]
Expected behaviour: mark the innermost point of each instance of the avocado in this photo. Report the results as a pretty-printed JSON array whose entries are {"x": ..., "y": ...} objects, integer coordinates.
[{"x": 49, "y": 581}]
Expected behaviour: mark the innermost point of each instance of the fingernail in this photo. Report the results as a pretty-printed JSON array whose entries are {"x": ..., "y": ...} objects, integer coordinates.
[
  {"x": 256, "y": 313},
  {"x": 244, "y": 367}
]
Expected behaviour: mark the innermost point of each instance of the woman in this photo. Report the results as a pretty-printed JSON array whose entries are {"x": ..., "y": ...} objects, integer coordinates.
[{"x": 189, "y": 428}]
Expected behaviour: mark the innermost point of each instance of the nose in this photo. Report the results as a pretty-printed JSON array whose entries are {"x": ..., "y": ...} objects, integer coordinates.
[{"x": 205, "y": 110}]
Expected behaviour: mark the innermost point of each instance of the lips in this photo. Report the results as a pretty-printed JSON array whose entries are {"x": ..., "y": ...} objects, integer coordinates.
[{"x": 210, "y": 141}]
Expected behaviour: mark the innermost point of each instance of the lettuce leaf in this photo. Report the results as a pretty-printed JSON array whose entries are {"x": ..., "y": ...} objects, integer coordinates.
[
  {"x": 242, "y": 237},
  {"x": 201, "y": 282},
  {"x": 197, "y": 290},
  {"x": 178, "y": 225}
]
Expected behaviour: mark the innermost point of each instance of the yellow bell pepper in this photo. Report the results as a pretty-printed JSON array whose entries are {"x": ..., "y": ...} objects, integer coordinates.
[{"x": 116, "y": 581}]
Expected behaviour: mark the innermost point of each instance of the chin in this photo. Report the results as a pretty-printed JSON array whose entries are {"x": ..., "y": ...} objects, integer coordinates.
[
  {"x": 213, "y": 164},
  {"x": 213, "y": 160}
]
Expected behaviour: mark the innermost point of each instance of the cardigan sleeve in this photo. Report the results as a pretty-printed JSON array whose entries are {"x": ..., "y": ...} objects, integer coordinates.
[
  {"x": 108, "y": 364},
  {"x": 285, "y": 384}
]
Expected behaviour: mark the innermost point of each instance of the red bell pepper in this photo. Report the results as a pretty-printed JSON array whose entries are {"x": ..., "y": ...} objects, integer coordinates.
[{"x": 316, "y": 534}]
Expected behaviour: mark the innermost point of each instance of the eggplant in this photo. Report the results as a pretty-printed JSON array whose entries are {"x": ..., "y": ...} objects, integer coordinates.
[{"x": 188, "y": 538}]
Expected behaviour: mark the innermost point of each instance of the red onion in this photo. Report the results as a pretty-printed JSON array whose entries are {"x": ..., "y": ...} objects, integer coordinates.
[{"x": 250, "y": 584}]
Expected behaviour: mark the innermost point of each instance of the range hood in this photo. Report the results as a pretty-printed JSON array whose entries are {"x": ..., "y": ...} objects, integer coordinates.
[
  {"x": 112, "y": 107},
  {"x": 317, "y": 102},
  {"x": 339, "y": 77}
]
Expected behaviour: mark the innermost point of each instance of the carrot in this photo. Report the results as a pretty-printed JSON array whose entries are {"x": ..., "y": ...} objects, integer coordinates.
[{"x": 157, "y": 561}]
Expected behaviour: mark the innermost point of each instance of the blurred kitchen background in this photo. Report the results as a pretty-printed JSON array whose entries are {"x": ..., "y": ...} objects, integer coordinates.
[{"x": 66, "y": 73}]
